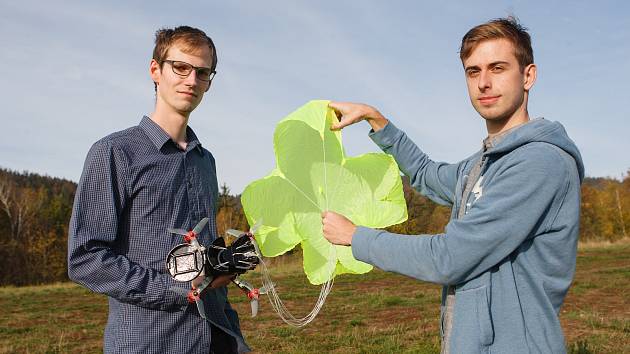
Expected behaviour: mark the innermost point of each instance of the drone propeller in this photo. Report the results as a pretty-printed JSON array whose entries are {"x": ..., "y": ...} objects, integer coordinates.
[
  {"x": 254, "y": 305},
  {"x": 252, "y": 231},
  {"x": 178, "y": 231},
  {"x": 251, "y": 292},
  {"x": 254, "y": 295},
  {"x": 200, "y": 226},
  {"x": 200, "y": 308},
  {"x": 234, "y": 233},
  {"x": 194, "y": 232},
  {"x": 256, "y": 226},
  {"x": 192, "y": 296}
]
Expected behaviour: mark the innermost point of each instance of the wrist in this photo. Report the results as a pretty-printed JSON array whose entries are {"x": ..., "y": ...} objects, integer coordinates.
[
  {"x": 353, "y": 230},
  {"x": 376, "y": 120}
]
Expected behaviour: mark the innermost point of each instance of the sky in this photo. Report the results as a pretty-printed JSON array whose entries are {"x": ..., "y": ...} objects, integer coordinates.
[{"x": 75, "y": 71}]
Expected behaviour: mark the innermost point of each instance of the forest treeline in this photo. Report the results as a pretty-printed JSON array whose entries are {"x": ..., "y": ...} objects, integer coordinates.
[{"x": 35, "y": 211}]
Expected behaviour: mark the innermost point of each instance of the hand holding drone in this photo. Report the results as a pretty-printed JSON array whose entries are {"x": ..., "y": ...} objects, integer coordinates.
[
  {"x": 236, "y": 258},
  {"x": 189, "y": 260}
]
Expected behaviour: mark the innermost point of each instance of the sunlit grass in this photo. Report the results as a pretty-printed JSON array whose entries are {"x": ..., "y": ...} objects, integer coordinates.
[{"x": 376, "y": 312}]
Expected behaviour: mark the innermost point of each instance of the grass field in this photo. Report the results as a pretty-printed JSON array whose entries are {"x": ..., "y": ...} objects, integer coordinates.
[{"x": 372, "y": 313}]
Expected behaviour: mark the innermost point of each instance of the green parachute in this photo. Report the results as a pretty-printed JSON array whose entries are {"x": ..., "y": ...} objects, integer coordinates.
[{"x": 314, "y": 175}]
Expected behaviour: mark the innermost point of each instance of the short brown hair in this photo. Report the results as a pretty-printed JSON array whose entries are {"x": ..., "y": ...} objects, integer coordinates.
[
  {"x": 189, "y": 37},
  {"x": 507, "y": 28}
]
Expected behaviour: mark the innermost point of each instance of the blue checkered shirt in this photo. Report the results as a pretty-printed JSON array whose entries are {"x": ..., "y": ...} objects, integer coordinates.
[{"x": 136, "y": 184}]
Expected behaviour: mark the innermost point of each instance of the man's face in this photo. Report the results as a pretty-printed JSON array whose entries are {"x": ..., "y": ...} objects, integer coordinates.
[
  {"x": 496, "y": 85},
  {"x": 179, "y": 93}
]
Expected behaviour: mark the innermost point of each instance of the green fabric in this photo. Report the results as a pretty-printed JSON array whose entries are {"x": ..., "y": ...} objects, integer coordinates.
[{"x": 313, "y": 175}]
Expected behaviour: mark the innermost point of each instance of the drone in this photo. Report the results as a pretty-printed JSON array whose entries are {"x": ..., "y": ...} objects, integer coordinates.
[{"x": 190, "y": 259}]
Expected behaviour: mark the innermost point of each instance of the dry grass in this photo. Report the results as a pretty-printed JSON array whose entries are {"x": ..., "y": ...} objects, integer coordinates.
[
  {"x": 603, "y": 244},
  {"x": 373, "y": 313}
]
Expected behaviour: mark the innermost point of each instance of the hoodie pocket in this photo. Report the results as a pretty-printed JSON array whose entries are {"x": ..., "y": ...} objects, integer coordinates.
[
  {"x": 486, "y": 329},
  {"x": 472, "y": 322}
]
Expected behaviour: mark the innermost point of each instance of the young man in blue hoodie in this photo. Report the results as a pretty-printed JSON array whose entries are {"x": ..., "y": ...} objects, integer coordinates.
[{"x": 507, "y": 256}]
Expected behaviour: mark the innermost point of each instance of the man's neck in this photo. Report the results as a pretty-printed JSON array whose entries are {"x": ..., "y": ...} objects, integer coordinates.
[
  {"x": 496, "y": 127},
  {"x": 173, "y": 123}
]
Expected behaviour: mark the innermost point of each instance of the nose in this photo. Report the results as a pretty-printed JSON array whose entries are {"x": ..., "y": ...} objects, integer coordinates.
[
  {"x": 191, "y": 79},
  {"x": 485, "y": 81}
]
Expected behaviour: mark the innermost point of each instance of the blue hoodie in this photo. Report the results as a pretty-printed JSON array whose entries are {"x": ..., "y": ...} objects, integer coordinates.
[{"x": 511, "y": 256}]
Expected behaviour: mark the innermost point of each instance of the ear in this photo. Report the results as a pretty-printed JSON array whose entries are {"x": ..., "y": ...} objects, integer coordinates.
[
  {"x": 155, "y": 71},
  {"x": 529, "y": 76}
]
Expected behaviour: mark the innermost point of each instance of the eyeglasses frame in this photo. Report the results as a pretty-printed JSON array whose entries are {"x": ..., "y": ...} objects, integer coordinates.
[{"x": 196, "y": 68}]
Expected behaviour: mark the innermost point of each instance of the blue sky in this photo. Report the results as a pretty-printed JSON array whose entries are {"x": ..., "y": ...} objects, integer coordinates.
[{"x": 75, "y": 71}]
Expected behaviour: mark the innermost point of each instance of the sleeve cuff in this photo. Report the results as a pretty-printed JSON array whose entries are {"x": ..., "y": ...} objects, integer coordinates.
[
  {"x": 361, "y": 243},
  {"x": 174, "y": 294},
  {"x": 386, "y": 137}
]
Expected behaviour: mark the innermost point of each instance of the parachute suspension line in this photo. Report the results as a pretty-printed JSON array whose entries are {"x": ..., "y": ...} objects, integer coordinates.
[
  {"x": 282, "y": 310},
  {"x": 304, "y": 194}
]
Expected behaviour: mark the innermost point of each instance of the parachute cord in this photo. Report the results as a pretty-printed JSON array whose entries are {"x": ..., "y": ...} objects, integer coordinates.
[
  {"x": 279, "y": 306},
  {"x": 304, "y": 194}
]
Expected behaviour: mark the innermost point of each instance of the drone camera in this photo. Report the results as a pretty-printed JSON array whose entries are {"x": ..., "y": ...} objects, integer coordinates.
[{"x": 186, "y": 263}]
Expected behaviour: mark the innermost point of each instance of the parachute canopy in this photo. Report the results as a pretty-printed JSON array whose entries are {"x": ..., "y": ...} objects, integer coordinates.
[{"x": 314, "y": 175}]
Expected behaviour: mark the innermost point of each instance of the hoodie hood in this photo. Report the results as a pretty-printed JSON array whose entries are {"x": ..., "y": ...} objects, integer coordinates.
[{"x": 540, "y": 130}]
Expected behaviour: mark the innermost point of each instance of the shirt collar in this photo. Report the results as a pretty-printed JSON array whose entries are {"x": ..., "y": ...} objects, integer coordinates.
[
  {"x": 156, "y": 134},
  {"x": 193, "y": 142},
  {"x": 159, "y": 137}
]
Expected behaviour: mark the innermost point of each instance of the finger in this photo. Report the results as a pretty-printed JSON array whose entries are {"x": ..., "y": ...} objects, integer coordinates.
[
  {"x": 344, "y": 122},
  {"x": 335, "y": 126},
  {"x": 336, "y": 106}
]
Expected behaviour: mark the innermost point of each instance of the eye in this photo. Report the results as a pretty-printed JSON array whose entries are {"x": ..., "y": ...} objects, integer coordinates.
[
  {"x": 181, "y": 67},
  {"x": 472, "y": 72},
  {"x": 498, "y": 68},
  {"x": 204, "y": 74}
]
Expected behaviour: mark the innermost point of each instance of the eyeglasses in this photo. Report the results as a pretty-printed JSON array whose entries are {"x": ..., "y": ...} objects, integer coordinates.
[{"x": 184, "y": 69}]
